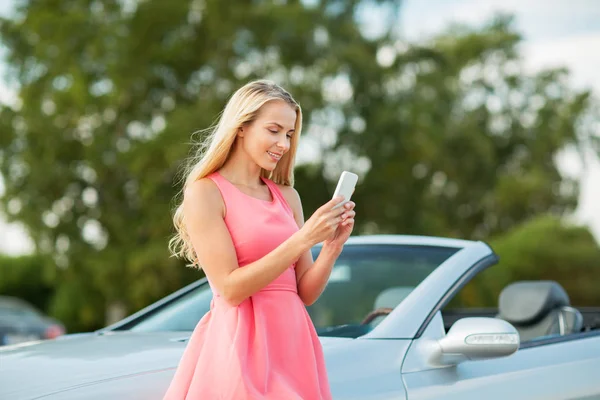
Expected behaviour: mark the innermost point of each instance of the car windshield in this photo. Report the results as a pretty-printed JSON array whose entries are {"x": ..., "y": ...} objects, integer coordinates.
[{"x": 366, "y": 282}]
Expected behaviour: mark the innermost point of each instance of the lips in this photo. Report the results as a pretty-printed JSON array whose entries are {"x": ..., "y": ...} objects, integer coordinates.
[{"x": 274, "y": 156}]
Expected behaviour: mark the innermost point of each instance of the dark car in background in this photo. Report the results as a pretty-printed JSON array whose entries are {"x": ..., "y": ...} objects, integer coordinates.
[{"x": 21, "y": 322}]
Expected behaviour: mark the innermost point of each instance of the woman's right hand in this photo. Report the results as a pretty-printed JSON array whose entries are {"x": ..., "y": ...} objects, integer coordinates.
[{"x": 324, "y": 221}]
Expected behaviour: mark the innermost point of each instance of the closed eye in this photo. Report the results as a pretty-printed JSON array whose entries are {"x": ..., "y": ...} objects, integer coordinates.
[{"x": 275, "y": 129}]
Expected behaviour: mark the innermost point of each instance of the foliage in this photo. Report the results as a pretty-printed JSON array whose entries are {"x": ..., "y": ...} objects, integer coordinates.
[
  {"x": 27, "y": 277},
  {"x": 540, "y": 249},
  {"x": 451, "y": 137}
]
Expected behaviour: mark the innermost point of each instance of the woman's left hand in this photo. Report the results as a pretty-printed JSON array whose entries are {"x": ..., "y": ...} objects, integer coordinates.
[{"x": 344, "y": 229}]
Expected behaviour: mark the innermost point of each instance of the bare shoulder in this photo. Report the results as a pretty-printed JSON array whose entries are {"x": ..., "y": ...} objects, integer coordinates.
[
  {"x": 204, "y": 194},
  {"x": 293, "y": 198}
]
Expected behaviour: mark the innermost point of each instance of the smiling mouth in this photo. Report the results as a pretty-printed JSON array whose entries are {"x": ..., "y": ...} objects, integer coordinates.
[{"x": 275, "y": 155}]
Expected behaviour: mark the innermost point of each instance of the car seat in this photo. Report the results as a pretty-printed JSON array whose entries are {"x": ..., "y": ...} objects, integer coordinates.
[
  {"x": 538, "y": 309},
  {"x": 388, "y": 299}
]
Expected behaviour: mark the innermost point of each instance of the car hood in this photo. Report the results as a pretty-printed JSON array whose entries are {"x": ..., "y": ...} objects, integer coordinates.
[{"x": 40, "y": 369}]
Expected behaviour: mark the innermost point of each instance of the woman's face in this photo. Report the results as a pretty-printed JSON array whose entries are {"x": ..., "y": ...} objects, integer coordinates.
[{"x": 268, "y": 137}]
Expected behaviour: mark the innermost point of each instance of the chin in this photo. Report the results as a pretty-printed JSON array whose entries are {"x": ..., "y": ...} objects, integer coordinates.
[{"x": 269, "y": 167}]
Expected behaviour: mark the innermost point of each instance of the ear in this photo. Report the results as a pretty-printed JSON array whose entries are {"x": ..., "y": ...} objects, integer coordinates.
[{"x": 240, "y": 132}]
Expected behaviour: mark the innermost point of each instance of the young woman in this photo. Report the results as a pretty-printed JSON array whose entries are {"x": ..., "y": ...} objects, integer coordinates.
[{"x": 241, "y": 221}]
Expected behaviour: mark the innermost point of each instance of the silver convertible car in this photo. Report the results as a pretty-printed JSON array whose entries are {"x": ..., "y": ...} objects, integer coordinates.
[{"x": 386, "y": 324}]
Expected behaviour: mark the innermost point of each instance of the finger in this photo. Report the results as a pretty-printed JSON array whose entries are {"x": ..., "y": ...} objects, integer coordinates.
[
  {"x": 335, "y": 221},
  {"x": 337, "y": 212},
  {"x": 325, "y": 208},
  {"x": 331, "y": 204},
  {"x": 349, "y": 214},
  {"x": 336, "y": 201},
  {"x": 329, "y": 209},
  {"x": 349, "y": 205},
  {"x": 348, "y": 222}
]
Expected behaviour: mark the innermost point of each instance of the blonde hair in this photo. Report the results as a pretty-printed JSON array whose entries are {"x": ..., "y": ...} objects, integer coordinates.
[{"x": 242, "y": 108}]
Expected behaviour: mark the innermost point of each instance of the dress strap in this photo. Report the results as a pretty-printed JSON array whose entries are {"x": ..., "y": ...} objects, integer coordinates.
[
  {"x": 227, "y": 192},
  {"x": 276, "y": 192},
  {"x": 220, "y": 182},
  {"x": 233, "y": 195}
]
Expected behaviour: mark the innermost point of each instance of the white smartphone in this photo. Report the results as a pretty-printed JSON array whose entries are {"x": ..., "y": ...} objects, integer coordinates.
[{"x": 345, "y": 186}]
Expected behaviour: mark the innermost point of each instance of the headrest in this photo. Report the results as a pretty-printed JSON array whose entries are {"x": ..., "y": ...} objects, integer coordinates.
[
  {"x": 527, "y": 302},
  {"x": 391, "y": 297}
]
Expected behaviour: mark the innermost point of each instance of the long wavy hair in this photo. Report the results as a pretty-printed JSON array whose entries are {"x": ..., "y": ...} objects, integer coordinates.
[{"x": 242, "y": 108}]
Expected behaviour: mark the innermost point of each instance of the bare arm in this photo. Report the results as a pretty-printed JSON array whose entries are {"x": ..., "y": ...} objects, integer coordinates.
[
  {"x": 312, "y": 276},
  {"x": 204, "y": 210}
]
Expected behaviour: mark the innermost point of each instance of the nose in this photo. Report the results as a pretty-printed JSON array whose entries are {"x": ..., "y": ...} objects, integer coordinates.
[{"x": 283, "y": 143}]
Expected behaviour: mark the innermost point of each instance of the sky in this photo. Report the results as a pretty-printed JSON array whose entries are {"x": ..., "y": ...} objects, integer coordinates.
[{"x": 556, "y": 33}]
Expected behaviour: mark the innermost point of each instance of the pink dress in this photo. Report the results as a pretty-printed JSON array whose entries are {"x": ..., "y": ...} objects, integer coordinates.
[{"x": 267, "y": 347}]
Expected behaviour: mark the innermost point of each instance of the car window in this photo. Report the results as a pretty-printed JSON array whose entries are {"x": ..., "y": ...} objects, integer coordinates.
[
  {"x": 364, "y": 279},
  {"x": 367, "y": 282},
  {"x": 17, "y": 310}
]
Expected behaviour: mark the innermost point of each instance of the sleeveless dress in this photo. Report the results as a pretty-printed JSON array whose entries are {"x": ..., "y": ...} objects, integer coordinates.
[{"x": 267, "y": 346}]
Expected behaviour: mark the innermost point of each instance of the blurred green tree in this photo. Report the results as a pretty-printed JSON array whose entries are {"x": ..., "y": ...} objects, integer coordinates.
[
  {"x": 109, "y": 93},
  {"x": 451, "y": 137},
  {"x": 542, "y": 248},
  {"x": 28, "y": 277}
]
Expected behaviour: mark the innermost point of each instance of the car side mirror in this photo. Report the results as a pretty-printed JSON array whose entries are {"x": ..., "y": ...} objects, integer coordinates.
[{"x": 478, "y": 339}]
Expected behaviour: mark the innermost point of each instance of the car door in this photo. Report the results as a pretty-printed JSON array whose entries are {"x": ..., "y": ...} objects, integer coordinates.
[{"x": 560, "y": 369}]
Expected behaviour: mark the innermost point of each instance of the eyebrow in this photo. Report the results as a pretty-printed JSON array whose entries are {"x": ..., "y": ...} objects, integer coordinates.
[{"x": 281, "y": 127}]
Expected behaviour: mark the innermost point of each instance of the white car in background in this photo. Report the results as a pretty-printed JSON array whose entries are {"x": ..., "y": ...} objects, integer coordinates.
[{"x": 383, "y": 324}]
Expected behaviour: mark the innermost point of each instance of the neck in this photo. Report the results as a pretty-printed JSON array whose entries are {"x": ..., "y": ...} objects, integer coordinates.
[{"x": 241, "y": 170}]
